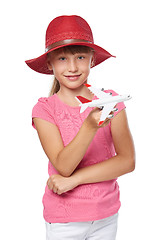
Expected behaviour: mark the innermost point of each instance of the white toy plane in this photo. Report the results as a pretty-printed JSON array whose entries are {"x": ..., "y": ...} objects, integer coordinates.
[{"x": 106, "y": 102}]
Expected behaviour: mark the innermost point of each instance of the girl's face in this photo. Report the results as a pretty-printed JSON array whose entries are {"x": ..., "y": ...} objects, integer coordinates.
[{"x": 71, "y": 70}]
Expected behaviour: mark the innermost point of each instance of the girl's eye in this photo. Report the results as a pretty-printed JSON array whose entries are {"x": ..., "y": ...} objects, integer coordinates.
[
  {"x": 81, "y": 57},
  {"x": 62, "y": 58}
]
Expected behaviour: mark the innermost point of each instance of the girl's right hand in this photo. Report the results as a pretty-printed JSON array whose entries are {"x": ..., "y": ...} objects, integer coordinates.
[
  {"x": 93, "y": 119},
  {"x": 59, "y": 184}
]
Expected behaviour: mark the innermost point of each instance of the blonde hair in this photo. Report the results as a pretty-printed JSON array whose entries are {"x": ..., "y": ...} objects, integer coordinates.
[
  {"x": 55, "y": 87},
  {"x": 68, "y": 49}
]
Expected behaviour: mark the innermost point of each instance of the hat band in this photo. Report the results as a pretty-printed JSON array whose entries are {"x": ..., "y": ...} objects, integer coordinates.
[{"x": 65, "y": 42}]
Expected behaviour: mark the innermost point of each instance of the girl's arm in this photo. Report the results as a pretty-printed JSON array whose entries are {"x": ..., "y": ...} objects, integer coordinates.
[
  {"x": 66, "y": 159},
  {"x": 122, "y": 163}
]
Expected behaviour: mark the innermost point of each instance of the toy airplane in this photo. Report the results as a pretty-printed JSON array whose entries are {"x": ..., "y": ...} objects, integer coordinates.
[{"x": 106, "y": 102}]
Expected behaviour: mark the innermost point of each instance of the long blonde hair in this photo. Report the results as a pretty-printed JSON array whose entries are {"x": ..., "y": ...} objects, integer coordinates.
[
  {"x": 55, "y": 87},
  {"x": 69, "y": 49}
]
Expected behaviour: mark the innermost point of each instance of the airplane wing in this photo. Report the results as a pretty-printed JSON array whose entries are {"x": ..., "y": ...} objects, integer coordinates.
[
  {"x": 106, "y": 111},
  {"x": 97, "y": 92}
]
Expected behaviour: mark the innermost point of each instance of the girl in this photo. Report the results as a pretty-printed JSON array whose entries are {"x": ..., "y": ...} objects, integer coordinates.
[{"x": 81, "y": 199}]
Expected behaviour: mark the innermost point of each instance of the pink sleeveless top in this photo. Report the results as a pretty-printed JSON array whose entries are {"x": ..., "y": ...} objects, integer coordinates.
[{"x": 86, "y": 202}]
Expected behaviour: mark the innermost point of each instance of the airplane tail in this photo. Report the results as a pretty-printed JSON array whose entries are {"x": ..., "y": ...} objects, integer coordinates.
[
  {"x": 83, "y": 108},
  {"x": 82, "y": 99},
  {"x": 83, "y": 103}
]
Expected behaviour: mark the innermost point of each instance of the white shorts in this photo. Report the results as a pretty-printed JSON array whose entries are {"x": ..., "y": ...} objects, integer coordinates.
[{"x": 104, "y": 229}]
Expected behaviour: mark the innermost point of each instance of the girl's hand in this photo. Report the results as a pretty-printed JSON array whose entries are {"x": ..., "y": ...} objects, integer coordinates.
[
  {"x": 94, "y": 117},
  {"x": 60, "y": 184}
]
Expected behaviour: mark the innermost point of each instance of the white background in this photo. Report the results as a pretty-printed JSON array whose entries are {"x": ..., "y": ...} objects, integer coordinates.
[{"x": 127, "y": 29}]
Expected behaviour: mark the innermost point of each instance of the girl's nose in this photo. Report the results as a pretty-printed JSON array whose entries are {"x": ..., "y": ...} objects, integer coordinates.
[{"x": 72, "y": 66}]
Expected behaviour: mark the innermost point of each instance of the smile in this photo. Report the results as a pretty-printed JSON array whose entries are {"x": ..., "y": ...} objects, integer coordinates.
[{"x": 72, "y": 77}]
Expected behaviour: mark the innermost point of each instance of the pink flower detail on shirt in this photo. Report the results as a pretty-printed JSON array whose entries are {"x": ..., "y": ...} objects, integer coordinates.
[{"x": 43, "y": 99}]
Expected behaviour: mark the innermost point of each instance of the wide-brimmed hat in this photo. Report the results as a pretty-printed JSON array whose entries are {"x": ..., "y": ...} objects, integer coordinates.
[{"x": 66, "y": 31}]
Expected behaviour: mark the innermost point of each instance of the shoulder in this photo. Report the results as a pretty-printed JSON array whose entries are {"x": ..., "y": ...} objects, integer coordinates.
[
  {"x": 47, "y": 100},
  {"x": 45, "y": 103},
  {"x": 44, "y": 109}
]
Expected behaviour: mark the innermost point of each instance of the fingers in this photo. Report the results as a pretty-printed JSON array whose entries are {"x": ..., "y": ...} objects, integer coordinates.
[
  {"x": 55, "y": 190},
  {"x": 49, "y": 184},
  {"x": 52, "y": 185}
]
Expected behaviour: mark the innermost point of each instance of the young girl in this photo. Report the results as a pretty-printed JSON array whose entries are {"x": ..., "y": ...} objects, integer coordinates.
[{"x": 81, "y": 199}]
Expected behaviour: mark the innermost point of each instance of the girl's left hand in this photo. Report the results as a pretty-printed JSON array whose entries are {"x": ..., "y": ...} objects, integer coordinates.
[{"x": 60, "y": 184}]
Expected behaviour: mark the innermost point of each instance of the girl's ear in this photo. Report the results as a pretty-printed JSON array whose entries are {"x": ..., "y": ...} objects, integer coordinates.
[
  {"x": 92, "y": 62},
  {"x": 48, "y": 63}
]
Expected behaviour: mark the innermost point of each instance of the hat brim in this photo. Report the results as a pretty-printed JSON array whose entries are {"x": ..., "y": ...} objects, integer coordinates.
[{"x": 39, "y": 64}]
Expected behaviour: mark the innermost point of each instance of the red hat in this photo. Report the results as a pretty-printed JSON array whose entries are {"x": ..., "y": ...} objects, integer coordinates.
[{"x": 66, "y": 31}]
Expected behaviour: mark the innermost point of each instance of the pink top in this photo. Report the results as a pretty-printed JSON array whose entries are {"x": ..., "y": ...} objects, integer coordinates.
[{"x": 86, "y": 202}]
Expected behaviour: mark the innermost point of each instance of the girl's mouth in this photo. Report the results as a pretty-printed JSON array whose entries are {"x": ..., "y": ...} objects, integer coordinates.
[{"x": 72, "y": 77}]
